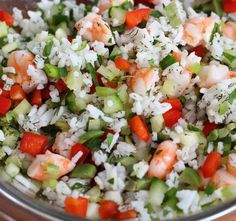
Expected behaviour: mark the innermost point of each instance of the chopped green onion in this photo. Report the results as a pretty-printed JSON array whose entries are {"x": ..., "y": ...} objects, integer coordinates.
[
  {"x": 193, "y": 128},
  {"x": 190, "y": 178},
  {"x": 232, "y": 96},
  {"x": 156, "y": 14},
  {"x": 167, "y": 61},
  {"x": 152, "y": 63},
  {"x": 47, "y": 49},
  {"x": 90, "y": 135},
  {"x": 213, "y": 136},
  {"x": 214, "y": 31},
  {"x": 82, "y": 46},
  {"x": 91, "y": 70}
]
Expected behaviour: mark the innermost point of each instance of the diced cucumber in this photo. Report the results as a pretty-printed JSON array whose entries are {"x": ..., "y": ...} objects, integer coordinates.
[
  {"x": 195, "y": 68},
  {"x": 4, "y": 176},
  {"x": 128, "y": 161},
  {"x": 105, "y": 91},
  {"x": 64, "y": 26},
  {"x": 170, "y": 199},
  {"x": 228, "y": 192},
  {"x": 93, "y": 211},
  {"x": 15, "y": 160},
  {"x": 157, "y": 192},
  {"x": 55, "y": 72},
  {"x": 119, "y": 14},
  {"x": 143, "y": 184},
  {"x": 116, "y": 52},
  {"x": 3, "y": 29},
  {"x": 131, "y": 186},
  {"x": 11, "y": 136},
  {"x": 112, "y": 104},
  {"x": 95, "y": 124},
  {"x": 190, "y": 178},
  {"x": 90, "y": 135},
  {"x": 173, "y": 15},
  {"x": 74, "y": 80},
  {"x": 123, "y": 94},
  {"x": 62, "y": 125},
  {"x": 230, "y": 58},
  {"x": 157, "y": 123},
  {"x": 74, "y": 103},
  {"x": 84, "y": 171},
  {"x": 51, "y": 183},
  {"x": 47, "y": 48},
  {"x": 94, "y": 194},
  {"x": 90, "y": 69},
  {"x": 114, "y": 196},
  {"x": 2, "y": 154},
  {"x": 189, "y": 138},
  {"x": 12, "y": 170},
  {"x": 142, "y": 153},
  {"x": 110, "y": 72},
  {"x": 169, "y": 88},
  {"x": 9, "y": 47},
  {"x": 23, "y": 108},
  {"x": 60, "y": 33}
]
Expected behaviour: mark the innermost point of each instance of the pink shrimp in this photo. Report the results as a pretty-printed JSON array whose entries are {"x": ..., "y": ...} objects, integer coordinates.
[
  {"x": 93, "y": 28},
  {"x": 143, "y": 80},
  {"x": 231, "y": 164},
  {"x": 229, "y": 30},
  {"x": 163, "y": 161},
  {"x": 39, "y": 167},
  {"x": 223, "y": 178},
  {"x": 196, "y": 30}
]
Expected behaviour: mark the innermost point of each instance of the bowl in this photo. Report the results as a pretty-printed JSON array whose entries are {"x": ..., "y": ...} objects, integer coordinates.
[{"x": 16, "y": 205}]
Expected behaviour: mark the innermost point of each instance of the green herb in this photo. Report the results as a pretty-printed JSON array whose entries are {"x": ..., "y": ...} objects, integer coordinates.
[
  {"x": 209, "y": 189},
  {"x": 182, "y": 100},
  {"x": 156, "y": 14},
  {"x": 193, "y": 128},
  {"x": 111, "y": 181},
  {"x": 109, "y": 139},
  {"x": 218, "y": 7},
  {"x": 155, "y": 41},
  {"x": 77, "y": 186},
  {"x": 94, "y": 143},
  {"x": 47, "y": 49},
  {"x": 100, "y": 59},
  {"x": 110, "y": 40},
  {"x": 167, "y": 61},
  {"x": 90, "y": 135},
  {"x": 214, "y": 31},
  {"x": 62, "y": 72},
  {"x": 57, "y": 19},
  {"x": 223, "y": 108},
  {"x": 91, "y": 70},
  {"x": 190, "y": 178},
  {"x": 151, "y": 63},
  {"x": 232, "y": 96},
  {"x": 127, "y": 5}
]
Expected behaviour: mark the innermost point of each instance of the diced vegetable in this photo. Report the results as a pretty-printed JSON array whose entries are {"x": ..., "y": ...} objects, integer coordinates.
[
  {"x": 228, "y": 192},
  {"x": 3, "y": 29},
  {"x": 15, "y": 160},
  {"x": 108, "y": 209},
  {"x": 33, "y": 144},
  {"x": 47, "y": 49},
  {"x": 23, "y": 108},
  {"x": 37, "y": 98},
  {"x": 175, "y": 103},
  {"x": 51, "y": 183},
  {"x": 77, "y": 148},
  {"x": 171, "y": 117},
  {"x": 230, "y": 58},
  {"x": 74, "y": 80},
  {"x": 110, "y": 72},
  {"x": 53, "y": 71},
  {"x": 156, "y": 14},
  {"x": 12, "y": 170},
  {"x": 9, "y": 47},
  {"x": 173, "y": 14},
  {"x": 115, "y": 53},
  {"x": 129, "y": 214},
  {"x": 94, "y": 194},
  {"x": 229, "y": 6},
  {"x": 5, "y": 105},
  {"x": 112, "y": 104},
  {"x": 119, "y": 14},
  {"x": 169, "y": 88},
  {"x": 199, "y": 50},
  {"x": 5, "y": 16},
  {"x": 167, "y": 61},
  {"x": 157, "y": 123},
  {"x": 122, "y": 64},
  {"x": 11, "y": 136},
  {"x": 218, "y": 7},
  {"x": 77, "y": 207},
  {"x": 17, "y": 93},
  {"x": 90, "y": 135},
  {"x": 105, "y": 91},
  {"x": 190, "y": 178},
  {"x": 75, "y": 104},
  {"x": 135, "y": 17},
  {"x": 91, "y": 70},
  {"x": 95, "y": 124},
  {"x": 211, "y": 164},
  {"x": 139, "y": 127},
  {"x": 84, "y": 171},
  {"x": 208, "y": 127},
  {"x": 195, "y": 68},
  {"x": 123, "y": 94}
]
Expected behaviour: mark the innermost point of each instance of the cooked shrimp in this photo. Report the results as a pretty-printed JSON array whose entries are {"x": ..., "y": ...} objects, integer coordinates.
[
  {"x": 231, "y": 164},
  {"x": 93, "y": 28},
  {"x": 213, "y": 74},
  {"x": 229, "y": 30},
  {"x": 106, "y": 4},
  {"x": 198, "y": 30},
  {"x": 143, "y": 80},
  {"x": 39, "y": 167},
  {"x": 164, "y": 160},
  {"x": 223, "y": 178}
]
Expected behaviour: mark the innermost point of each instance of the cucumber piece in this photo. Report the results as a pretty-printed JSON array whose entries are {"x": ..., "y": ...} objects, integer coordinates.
[
  {"x": 116, "y": 52},
  {"x": 173, "y": 15},
  {"x": 47, "y": 49},
  {"x": 189, "y": 138},
  {"x": 55, "y": 72},
  {"x": 105, "y": 91},
  {"x": 84, "y": 171},
  {"x": 74, "y": 103},
  {"x": 157, "y": 123},
  {"x": 230, "y": 58},
  {"x": 131, "y": 186},
  {"x": 90, "y": 135},
  {"x": 94, "y": 194},
  {"x": 119, "y": 14},
  {"x": 143, "y": 184},
  {"x": 228, "y": 192},
  {"x": 190, "y": 178},
  {"x": 169, "y": 88},
  {"x": 112, "y": 104},
  {"x": 170, "y": 199},
  {"x": 51, "y": 183},
  {"x": 95, "y": 124},
  {"x": 74, "y": 80},
  {"x": 11, "y": 136},
  {"x": 195, "y": 68},
  {"x": 23, "y": 108},
  {"x": 128, "y": 161},
  {"x": 9, "y": 47},
  {"x": 158, "y": 189},
  {"x": 123, "y": 94},
  {"x": 4, "y": 176},
  {"x": 3, "y": 29},
  {"x": 110, "y": 72},
  {"x": 62, "y": 125},
  {"x": 12, "y": 170},
  {"x": 60, "y": 33},
  {"x": 15, "y": 160}
]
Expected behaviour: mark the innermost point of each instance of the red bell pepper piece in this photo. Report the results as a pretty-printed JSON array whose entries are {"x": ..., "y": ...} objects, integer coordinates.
[
  {"x": 77, "y": 207},
  {"x": 45, "y": 93},
  {"x": 5, "y": 16},
  {"x": 129, "y": 214},
  {"x": 5, "y": 105},
  {"x": 211, "y": 164},
  {"x": 108, "y": 209},
  {"x": 61, "y": 86},
  {"x": 33, "y": 144},
  {"x": 229, "y": 6},
  {"x": 175, "y": 103},
  {"x": 122, "y": 64},
  {"x": 139, "y": 127},
  {"x": 135, "y": 17},
  {"x": 37, "y": 98},
  {"x": 17, "y": 93},
  {"x": 208, "y": 127},
  {"x": 199, "y": 50},
  {"x": 171, "y": 117},
  {"x": 79, "y": 147}
]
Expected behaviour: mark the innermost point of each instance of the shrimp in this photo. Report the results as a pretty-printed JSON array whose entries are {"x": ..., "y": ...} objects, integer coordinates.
[
  {"x": 231, "y": 164},
  {"x": 164, "y": 160},
  {"x": 143, "y": 80},
  {"x": 106, "y": 4},
  {"x": 198, "y": 30},
  {"x": 223, "y": 178},
  {"x": 213, "y": 74},
  {"x": 229, "y": 30},
  {"x": 93, "y": 28},
  {"x": 39, "y": 167}
]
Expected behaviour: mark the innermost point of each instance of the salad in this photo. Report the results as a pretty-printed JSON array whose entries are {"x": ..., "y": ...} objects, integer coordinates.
[{"x": 120, "y": 110}]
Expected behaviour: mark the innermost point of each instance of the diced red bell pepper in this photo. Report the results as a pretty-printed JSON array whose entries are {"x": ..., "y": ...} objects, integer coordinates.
[
  {"x": 79, "y": 147},
  {"x": 33, "y": 144},
  {"x": 5, "y": 105},
  {"x": 129, "y": 214},
  {"x": 175, "y": 103},
  {"x": 45, "y": 93},
  {"x": 122, "y": 64},
  {"x": 229, "y": 6},
  {"x": 199, "y": 50},
  {"x": 144, "y": 2},
  {"x": 17, "y": 93},
  {"x": 111, "y": 84},
  {"x": 139, "y": 127},
  {"x": 171, "y": 117},
  {"x": 61, "y": 86},
  {"x": 108, "y": 209},
  {"x": 77, "y": 207},
  {"x": 208, "y": 127},
  {"x": 135, "y": 17},
  {"x": 211, "y": 164},
  {"x": 37, "y": 98},
  {"x": 70, "y": 38},
  {"x": 5, "y": 16}
]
